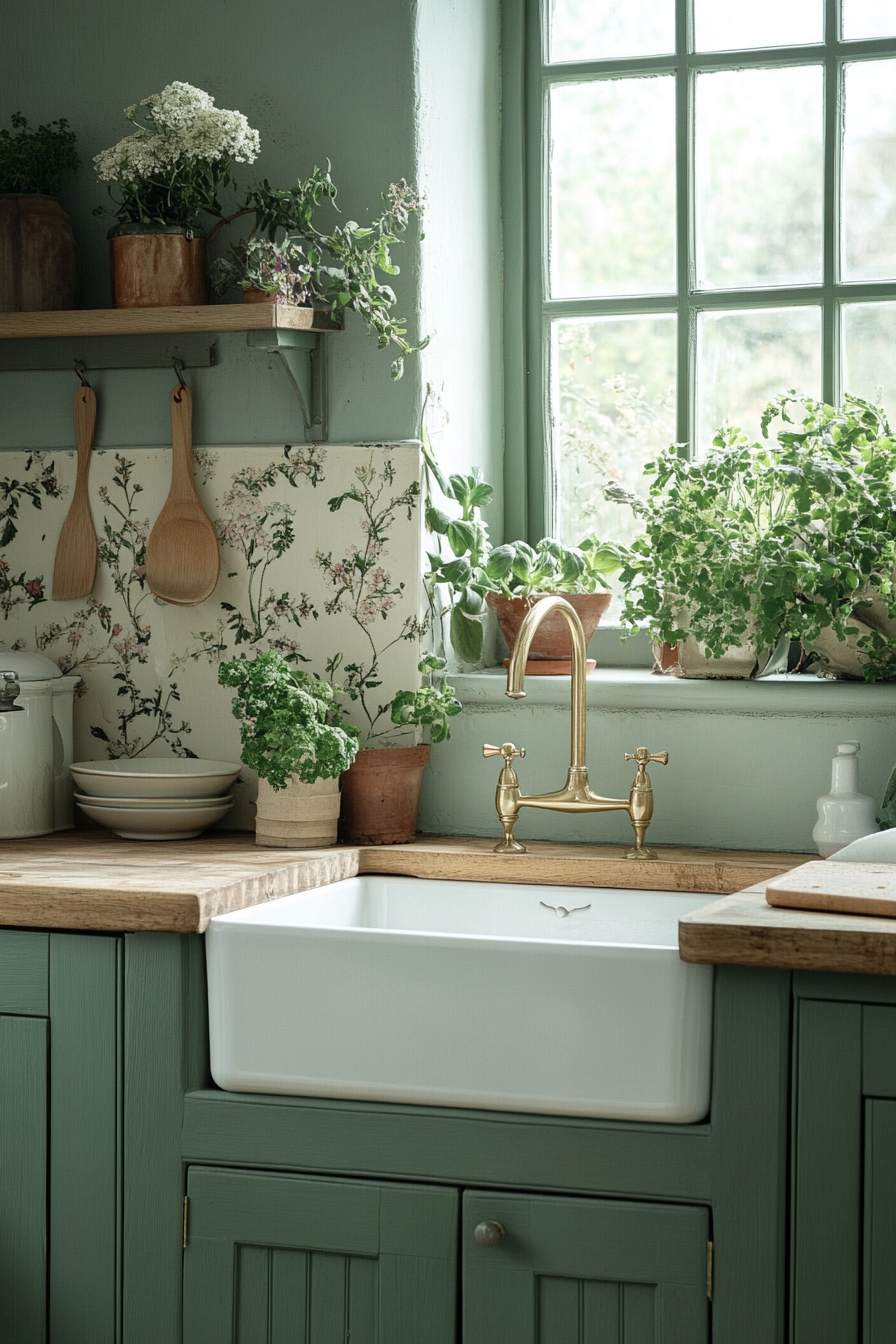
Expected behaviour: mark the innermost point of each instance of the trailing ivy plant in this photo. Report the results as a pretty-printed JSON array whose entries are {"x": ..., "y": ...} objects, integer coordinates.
[
  {"x": 34, "y": 161},
  {"x": 473, "y": 568},
  {"x": 789, "y": 535},
  {"x": 290, "y": 722}
]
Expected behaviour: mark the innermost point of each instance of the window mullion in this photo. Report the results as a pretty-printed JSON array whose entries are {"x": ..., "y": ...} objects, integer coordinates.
[
  {"x": 684, "y": 113},
  {"x": 833, "y": 107}
]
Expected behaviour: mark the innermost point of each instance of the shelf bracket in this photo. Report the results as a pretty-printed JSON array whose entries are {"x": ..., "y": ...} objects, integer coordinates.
[{"x": 304, "y": 358}]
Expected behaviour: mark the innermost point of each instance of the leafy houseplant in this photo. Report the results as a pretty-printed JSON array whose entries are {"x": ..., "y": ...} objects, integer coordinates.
[
  {"x": 476, "y": 573},
  {"x": 168, "y": 173},
  {"x": 39, "y": 270},
  {"x": 337, "y": 267},
  {"x": 293, "y": 738},
  {"x": 792, "y": 536}
]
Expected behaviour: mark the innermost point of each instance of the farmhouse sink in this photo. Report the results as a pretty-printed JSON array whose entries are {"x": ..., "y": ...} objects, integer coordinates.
[{"x": 401, "y": 989}]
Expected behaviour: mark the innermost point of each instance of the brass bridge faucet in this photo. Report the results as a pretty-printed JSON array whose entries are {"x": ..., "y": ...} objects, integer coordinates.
[{"x": 576, "y": 796}]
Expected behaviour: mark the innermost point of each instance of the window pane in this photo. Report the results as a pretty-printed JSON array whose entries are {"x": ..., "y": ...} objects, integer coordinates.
[
  {"x": 613, "y": 409},
  {"x": 593, "y": 30},
  {"x": 869, "y": 18},
  {"x": 612, "y": 183},
  {"x": 759, "y": 177},
  {"x": 869, "y": 340},
  {"x": 869, "y": 179},
  {"x": 745, "y": 358},
  {"x": 722, "y": 25}
]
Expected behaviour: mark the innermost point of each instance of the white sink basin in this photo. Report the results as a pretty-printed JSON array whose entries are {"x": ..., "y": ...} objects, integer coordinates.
[{"x": 464, "y": 994}]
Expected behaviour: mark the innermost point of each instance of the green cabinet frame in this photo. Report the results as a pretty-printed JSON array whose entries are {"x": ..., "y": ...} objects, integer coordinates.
[{"x": 23, "y": 1179}]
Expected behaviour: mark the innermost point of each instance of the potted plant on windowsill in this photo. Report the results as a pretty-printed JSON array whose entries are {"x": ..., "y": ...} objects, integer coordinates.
[
  {"x": 39, "y": 271},
  {"x": 509, "y": 578},
  {"x": 793, "y": 537},
  {"x": 293, "y": 737},
  {"x": 169, "y": 173}
]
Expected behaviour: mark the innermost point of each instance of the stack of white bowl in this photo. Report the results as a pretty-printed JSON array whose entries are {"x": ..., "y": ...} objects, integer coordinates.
[{"x": 172, "y": 799}]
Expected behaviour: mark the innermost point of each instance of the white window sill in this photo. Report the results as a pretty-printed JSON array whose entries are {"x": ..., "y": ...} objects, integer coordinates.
[{"x": 638, "y": 688}]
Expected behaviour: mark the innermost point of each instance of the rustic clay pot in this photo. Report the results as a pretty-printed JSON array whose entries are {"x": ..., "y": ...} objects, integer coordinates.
[
  {"x": 381, "y": 794},
  {"x": 253, "y": 295},
  {"x": 551, "y": 641},
  {"x": 301, "y": 816},
  {"x": 157, "y": 267},
  {"x": 38, "y": 256}
]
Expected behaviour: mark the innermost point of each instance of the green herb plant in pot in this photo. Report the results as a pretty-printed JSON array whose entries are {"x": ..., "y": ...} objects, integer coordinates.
[
  {"x": 293, "y": 737},
  {"x": 381, "y": 791},
  {"x": 168, "y": 174},
  {"x": 509, "y": 578},
  {"x": 38, "y": 255}
]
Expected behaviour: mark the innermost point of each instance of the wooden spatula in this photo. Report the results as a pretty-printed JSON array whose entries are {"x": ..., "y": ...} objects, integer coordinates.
[
  {"x": 182, "y": 551},
  {"x": 75, "y": 568}
]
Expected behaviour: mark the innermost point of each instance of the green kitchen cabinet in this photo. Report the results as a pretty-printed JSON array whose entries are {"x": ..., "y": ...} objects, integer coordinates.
[
  {"x": 60, "y": 1129},
  {"x": 843, "y": 1221}
]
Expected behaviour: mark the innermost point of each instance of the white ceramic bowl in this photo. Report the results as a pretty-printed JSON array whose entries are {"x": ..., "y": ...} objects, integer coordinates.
[
  {"x": 153, "y": 804},
  {"x": 174, "y": 777},
  {"x": 163, "y": 823}
]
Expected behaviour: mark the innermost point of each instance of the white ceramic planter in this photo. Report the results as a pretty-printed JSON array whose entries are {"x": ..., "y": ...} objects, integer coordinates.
[{"x": 301, "y": 816}]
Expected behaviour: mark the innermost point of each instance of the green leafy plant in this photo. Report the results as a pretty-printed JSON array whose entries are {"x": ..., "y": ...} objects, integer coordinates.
[
  {"x": 429, "y": 706},
  {"x": 281, "y": 270},
  {"x": 473, "y": 568},
  {"x": 34, "y": 161},
  {"x": 785, "y": 536},
  {"x": 172, "y": 169},
  {"x": 340, "y": 267},
  {"x": 289, "y": 721}
]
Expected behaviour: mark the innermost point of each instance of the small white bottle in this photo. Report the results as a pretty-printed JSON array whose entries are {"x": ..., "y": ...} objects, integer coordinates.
[{"x": 844, "y": 814}]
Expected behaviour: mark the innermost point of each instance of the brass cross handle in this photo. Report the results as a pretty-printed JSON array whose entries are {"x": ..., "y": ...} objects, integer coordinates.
[
  {"x": 643, "y": 757},
  {"x": 506, "y": 749}
]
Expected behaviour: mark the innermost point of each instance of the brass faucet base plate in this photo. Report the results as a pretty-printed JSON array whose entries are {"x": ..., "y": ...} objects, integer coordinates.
[
  {"x": 510, "y": 847},
  {"x": 642, "y": 853}
]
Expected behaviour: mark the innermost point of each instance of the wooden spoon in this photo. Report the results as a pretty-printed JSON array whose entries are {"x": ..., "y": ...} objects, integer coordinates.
[
  {"x": 75, "y": 568},
  {"x": 182, "y": 551}
]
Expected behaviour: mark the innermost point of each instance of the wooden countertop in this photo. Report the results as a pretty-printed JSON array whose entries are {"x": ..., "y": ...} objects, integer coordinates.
[
  {"x": 744, "y": 930},
  {"x": 90, "y": 880}
]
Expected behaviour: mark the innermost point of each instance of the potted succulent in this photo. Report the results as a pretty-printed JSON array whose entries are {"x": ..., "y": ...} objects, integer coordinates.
[
  {"x": 293, "y": 737},
  {"x": 169, "y": 173},
  {"x": 509, "y": 578},
  {"x": 792, "y": 537},
  {"x": 381, "y": 790},
  {"x": 39, "y": 270},
  {"x": 337, "y": 267}
]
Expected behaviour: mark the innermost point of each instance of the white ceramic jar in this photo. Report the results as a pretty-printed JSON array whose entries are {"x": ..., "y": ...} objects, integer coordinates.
[
  {"x": 844, "y": 814},
  {"x": 35, "y": 747}
]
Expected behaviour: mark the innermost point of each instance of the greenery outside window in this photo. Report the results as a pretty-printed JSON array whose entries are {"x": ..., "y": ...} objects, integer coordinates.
[{"x": 706, "y": 215}]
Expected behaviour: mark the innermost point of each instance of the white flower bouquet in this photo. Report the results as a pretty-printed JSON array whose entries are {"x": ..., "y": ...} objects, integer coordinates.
[{"x": 172, "y": 168}]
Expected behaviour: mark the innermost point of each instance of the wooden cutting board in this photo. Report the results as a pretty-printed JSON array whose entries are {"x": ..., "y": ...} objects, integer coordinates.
[{"x": 853, "y": 888}]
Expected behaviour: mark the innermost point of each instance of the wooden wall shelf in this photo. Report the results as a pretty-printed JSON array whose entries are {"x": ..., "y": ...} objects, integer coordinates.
[{"x": 92, "y": 337}]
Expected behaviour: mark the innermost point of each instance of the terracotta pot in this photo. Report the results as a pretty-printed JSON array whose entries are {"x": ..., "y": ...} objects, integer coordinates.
[
  {"x": 381, "y": 794},
  {"x": 551, "y": 640},
  {"x": 157, "y": 267},
  {"x": 301, "y": 816},
  {"x": 38, "y": 256},
  {"x": 252, "y": 295}
]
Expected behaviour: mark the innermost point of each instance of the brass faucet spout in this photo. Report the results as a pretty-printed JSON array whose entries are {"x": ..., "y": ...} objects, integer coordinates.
[{"x": 516, "y": 671}]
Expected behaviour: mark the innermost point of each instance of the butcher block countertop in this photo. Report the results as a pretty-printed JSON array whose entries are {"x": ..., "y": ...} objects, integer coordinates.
[{"x": 89, "y": 879}]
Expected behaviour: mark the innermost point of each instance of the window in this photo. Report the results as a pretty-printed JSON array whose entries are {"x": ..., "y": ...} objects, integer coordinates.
[{"x": 709, "y": 196}]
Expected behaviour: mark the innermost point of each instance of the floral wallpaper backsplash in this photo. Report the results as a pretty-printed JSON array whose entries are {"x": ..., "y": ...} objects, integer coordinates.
[{"x": 320, "y": 558}]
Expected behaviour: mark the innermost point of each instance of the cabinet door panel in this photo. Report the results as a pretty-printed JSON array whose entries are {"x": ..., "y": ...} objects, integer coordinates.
[
  {"x": 275, "y": 1259},
  {"x": 23, "y": 1180},
  {"x": 584, "y": 1271}
]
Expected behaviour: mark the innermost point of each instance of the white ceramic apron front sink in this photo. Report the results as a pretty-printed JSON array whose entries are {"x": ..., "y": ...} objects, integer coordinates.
[{"x": 402, "y": 989}]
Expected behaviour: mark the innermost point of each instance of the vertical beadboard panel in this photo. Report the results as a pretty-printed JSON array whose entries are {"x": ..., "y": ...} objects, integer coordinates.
[{"x": 23, "y": 1180}]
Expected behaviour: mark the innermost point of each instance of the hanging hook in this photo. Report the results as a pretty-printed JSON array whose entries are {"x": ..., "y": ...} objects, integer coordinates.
[
  {"x": 179, "y": 367},
  {"x": 81, "y": 370}
]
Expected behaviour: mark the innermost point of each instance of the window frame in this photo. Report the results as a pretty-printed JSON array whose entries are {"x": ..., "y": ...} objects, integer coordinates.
[{"x": 529, "y": 490}]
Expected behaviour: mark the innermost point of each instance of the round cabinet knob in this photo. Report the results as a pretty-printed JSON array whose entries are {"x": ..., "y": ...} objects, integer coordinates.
[{"x": 489, "y": 1232}]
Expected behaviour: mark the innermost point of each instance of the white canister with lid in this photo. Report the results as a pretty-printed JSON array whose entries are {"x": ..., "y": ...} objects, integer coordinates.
[{"x": 35, "y": 746}]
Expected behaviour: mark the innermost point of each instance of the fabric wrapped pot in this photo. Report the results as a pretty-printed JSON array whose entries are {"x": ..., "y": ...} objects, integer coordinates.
[
  {"x": 157, "y": 266},
  {"x": 381, "y": 795},
  {"x": 301, "y": 816}
]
